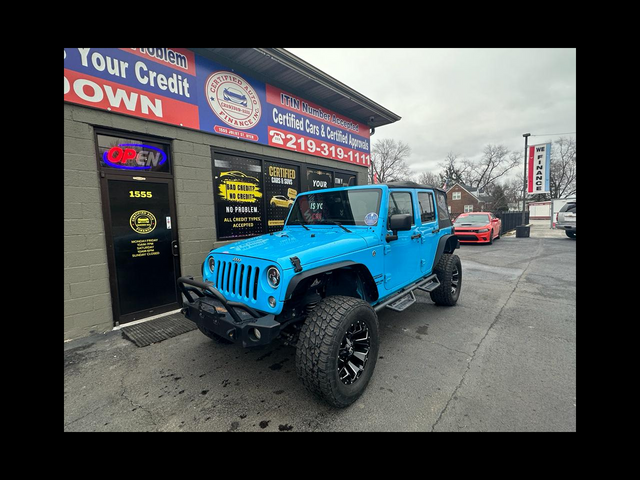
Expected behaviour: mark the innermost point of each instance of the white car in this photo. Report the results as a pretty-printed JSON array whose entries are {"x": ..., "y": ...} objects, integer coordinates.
[{"x": 566, "y": 219}]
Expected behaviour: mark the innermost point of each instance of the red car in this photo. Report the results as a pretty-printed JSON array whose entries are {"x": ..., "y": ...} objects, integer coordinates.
[{"x": 477, "y": 227}]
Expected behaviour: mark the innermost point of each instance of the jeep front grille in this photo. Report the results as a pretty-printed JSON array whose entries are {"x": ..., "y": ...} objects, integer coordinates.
[{"x": 237, "y": 280}]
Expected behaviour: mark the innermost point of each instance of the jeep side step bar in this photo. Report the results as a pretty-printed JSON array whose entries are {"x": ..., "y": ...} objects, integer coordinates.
[
  {"x": 405, "y": 297},
  {"x": 403, "y": 302}
]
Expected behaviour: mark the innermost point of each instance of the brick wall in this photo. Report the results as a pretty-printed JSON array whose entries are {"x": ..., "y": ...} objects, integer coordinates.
[
  {"x": 87, "y": 299},
  {"x": 87, "y": 296},
  {"x": 457, "y": 206}
]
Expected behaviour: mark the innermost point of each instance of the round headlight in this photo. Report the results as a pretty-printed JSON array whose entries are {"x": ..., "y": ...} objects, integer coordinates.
[
  {"x": 212, "y": 264},
  {"x": 273, "y": 276}
]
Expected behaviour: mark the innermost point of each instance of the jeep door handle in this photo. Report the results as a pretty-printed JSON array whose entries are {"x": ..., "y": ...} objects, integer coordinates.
[{"x": 417, "y": 235}]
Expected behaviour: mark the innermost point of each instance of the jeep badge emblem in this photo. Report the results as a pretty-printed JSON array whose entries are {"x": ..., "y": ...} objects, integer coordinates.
[{"x": 236, "y": 259}]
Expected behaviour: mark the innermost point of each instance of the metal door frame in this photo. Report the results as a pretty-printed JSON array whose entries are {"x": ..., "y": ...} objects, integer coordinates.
[
  {"x": 113, "y": 278},
  {"x": 107, "y": 174}
]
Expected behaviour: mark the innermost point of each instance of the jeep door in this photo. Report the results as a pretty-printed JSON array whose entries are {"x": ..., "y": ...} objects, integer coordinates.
[
  {"x": 428, "y": 229},
  {"x": 402, "y": 256}
]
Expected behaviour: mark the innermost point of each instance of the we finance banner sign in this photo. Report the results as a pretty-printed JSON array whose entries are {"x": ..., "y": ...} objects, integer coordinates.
[
  {"x": 178, "y": 87},
  {"x": 539, "y": 168}
]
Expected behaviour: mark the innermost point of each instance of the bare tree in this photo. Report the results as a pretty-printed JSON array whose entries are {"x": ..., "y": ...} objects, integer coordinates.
[
  {"x": 453, "y": 169},
  {"x": 388, "y": 161},
  {"x": 428, "y": 178},
  {"x": 499, "y": 201},
  {"x": 496, "y": 161},
  {"x": 562, "y": 177},
  {"x": 512, "y": 189}
]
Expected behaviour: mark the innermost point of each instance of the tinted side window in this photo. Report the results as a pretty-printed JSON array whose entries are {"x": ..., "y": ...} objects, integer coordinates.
[
  {"x": 401, "y": 202},
  {"x": 443, "y": 210},
  {"x": 427, "y": 212}
]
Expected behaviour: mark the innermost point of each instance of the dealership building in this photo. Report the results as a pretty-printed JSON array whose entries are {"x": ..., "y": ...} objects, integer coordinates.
[{"x": 171, "y": 152}]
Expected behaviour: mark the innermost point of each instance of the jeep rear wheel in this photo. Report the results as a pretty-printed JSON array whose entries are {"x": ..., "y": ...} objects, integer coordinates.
[
  {"x": 337, "y": 349},
  {"x": 449, "y": 272}
]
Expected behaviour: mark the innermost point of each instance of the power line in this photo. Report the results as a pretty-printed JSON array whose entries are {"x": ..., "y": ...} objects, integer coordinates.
[{"x": 548, "y": 134}]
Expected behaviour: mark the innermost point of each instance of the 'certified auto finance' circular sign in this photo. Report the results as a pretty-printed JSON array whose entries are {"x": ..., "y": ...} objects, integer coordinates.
[
  {"x": 143, "y": 221},
  {"x": 233, "y": 100}
]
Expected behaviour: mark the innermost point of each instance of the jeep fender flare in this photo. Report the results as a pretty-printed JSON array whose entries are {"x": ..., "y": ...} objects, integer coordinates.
[
  {"x": 371, "y": 291},
  {"x": 447, "y": 244}
]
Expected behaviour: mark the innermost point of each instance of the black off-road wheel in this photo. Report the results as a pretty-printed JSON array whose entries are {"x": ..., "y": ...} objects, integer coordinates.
[
  {"x": 449, "y": 272},
  {"x": 214, "y": 336},
  {"x": 337, "y": 349}
]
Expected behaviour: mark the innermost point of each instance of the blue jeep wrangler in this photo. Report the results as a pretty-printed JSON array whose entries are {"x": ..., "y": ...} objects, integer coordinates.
[{"x": 343, "y": 255}]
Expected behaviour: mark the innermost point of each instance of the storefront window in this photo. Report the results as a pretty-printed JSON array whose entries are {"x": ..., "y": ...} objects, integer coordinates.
[
  {"x": 253, "y": 196},
  {"x": 344, "y": 180},
  {"x": 131, "y": 155},
  {"x": 238, "y": 191},
  {"x": 282, "y": 185},
  {"x": 319, "y": 179}
]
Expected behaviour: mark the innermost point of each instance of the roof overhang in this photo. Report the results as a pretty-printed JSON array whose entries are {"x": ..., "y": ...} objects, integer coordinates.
[{"x": 282, "y": 69}]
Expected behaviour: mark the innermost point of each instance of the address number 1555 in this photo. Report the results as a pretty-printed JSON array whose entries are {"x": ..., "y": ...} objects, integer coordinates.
[{"x": 139, "y": 194}]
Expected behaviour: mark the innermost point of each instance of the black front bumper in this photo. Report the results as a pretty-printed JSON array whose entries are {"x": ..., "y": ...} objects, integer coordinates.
[{"x": 233, "y": 321}]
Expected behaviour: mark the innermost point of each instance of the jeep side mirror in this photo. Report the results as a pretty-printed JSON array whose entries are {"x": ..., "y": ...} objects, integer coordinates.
[{"x": 398, "y": 222}]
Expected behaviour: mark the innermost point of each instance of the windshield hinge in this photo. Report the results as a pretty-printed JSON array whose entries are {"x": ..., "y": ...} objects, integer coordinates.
[{"x": 295, "y": 261}]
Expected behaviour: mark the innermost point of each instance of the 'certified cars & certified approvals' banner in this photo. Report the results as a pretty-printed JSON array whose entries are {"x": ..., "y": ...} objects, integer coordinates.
[{"x": 178, "y": 87}]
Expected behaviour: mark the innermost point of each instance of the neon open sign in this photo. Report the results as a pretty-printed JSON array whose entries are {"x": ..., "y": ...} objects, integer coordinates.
[{"x": 134, "y": 156}]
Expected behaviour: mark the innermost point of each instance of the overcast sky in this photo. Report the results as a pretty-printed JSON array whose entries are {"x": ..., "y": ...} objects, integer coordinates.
[{"x": 460, "y": 100}]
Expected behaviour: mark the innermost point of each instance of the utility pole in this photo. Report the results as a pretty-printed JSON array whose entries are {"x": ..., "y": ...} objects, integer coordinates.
[{"x": 524, "y": 182}]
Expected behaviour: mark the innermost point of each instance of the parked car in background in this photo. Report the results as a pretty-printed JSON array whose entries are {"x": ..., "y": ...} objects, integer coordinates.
[
  {"x": 477, "y": 227},
  {"x": 566, "y": 219}
]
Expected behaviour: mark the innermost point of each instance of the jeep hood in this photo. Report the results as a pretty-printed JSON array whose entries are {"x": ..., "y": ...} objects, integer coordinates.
[{"x": 309, "y": 246}]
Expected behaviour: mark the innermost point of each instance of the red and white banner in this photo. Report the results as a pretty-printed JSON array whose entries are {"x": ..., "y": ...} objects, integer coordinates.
[{"x": 539, "y": 163}]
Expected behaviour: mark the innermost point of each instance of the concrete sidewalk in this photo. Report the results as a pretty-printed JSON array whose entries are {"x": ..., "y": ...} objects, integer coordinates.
[{"x": 541, "y": 229}]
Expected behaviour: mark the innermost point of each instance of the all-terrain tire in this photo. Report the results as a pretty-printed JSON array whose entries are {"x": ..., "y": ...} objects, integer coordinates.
[
  {"x": 449, "y": 272},
  {"x": 323, "y": 346}
]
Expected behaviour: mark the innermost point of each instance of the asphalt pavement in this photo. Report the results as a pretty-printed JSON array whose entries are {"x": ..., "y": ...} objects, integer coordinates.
[{"x": 502, "y": 359}]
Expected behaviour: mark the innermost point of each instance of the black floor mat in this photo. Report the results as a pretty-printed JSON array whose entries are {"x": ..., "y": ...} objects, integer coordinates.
[{"x": 157, "y": 330}]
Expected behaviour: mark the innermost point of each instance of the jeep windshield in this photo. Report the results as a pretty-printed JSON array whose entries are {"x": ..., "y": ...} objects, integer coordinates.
[
  {"x": 341, "y": 207},
  {"x": 467, "y": 220}
]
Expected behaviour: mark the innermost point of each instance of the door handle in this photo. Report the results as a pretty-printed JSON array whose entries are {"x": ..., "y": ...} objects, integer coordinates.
[
  {"x": 174, "y": 248},
  {"x": 417, "y": 235}
]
